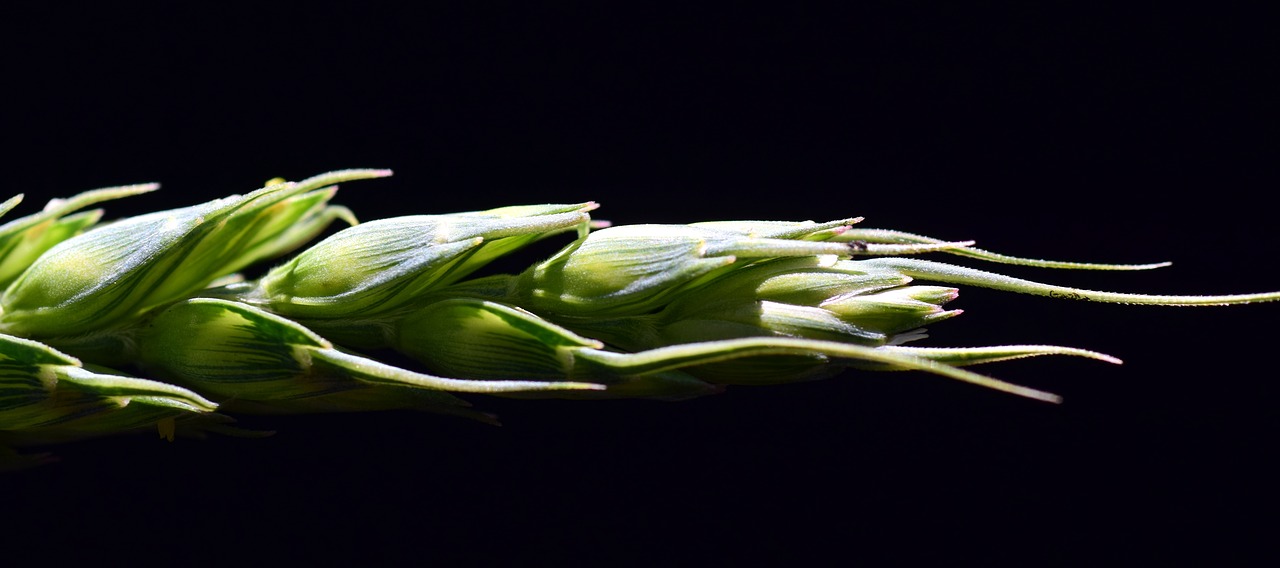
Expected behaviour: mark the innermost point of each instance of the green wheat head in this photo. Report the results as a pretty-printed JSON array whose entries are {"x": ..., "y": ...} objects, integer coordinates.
[{"x": 150, "y": 323}]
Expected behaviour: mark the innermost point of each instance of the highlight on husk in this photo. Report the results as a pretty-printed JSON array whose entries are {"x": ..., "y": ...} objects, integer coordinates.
[{"x": 177, "y": 321}]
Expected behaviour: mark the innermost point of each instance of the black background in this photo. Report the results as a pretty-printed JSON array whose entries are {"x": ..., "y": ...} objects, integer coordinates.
[{"x": 1115, "y": 135}]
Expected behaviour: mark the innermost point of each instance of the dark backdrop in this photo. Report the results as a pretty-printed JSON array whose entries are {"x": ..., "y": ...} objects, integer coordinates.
[{"x": 1117, "y": 135}]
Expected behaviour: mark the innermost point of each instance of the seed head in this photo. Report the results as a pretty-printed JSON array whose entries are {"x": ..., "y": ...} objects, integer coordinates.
[
  {"x": 383, "y": 265},
  {"x": 115, "y": 273},
  {"x": 487, "y": 340},
  {"x": 255, "y": 361},
  {"x": 634, "y": 269},
  {"x": 807, "y": 297}
]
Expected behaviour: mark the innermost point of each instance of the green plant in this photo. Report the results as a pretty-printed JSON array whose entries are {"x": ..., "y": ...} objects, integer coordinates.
[{"x": 149, "y": 322}]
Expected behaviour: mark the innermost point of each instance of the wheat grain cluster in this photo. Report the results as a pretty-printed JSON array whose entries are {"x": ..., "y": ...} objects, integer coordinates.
[{"x": 157, "y": 323}]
